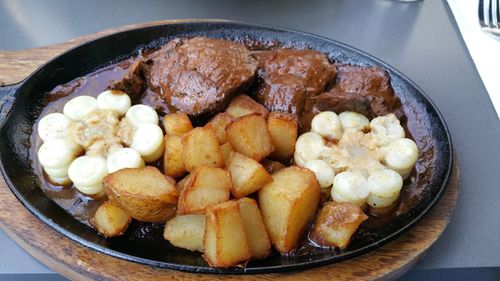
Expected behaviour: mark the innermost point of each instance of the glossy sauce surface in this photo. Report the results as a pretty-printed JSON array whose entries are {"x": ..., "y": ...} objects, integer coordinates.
[{"x": 82, "y": 207}]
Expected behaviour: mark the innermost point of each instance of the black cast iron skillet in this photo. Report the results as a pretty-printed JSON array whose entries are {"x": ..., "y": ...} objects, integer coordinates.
[{"x": 21, "y": 105}]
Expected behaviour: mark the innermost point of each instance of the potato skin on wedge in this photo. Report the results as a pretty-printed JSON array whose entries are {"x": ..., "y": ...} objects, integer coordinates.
[
  {"x": 201, "y": 148},
  {"x": 144, "y": 193},
  {"x": 205, "y": 186},
  {"x": 219, "y": 123},
  {"x": 186, "y": 231},
  {"x": 249, "y": 136},
  {"x": 243, "y": 105},
  {"x": 225, "y": 242},
  {"x": 283, "y": 128},
  {"x": 226, "y": 150},
  {"x": 173, "y": 163},
  {"x": 336, "y": 223},
  {"x": 258, "y": 238},
  {"x": 177, "y": 124},
  {"x": 288, "y": 204},
  {"x": 247, "y": 175},
  {"x": 110, "y": 220}
]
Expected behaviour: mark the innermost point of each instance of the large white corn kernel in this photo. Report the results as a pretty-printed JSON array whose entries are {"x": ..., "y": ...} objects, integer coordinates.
[
  {"x": 354, "y": 120},
  {"x": 140, "y": 114},
  {"x": 87, "y": 173},
  {"x": 328, "y": 125},
  {"x": 401, "y": 155},
  {"x": 352, "y": 186},
  {"x": 148, "y": 141},
  {"x": 57, "y": 172},
  {"x": 53, "y": 126},
  {"x": 79, "y": 107},
  {"x": 60, "y": 181},
  {"x": 385, "y": 187},
  {"x": 339, "y": 198},
  {"x": 124, "y": 158},
  {"x": 385, "y": 129},
  {"x": 90, "y": 189},
  {"x": 323, "y": 171},
  {"x": 385, "y": 183},
  {"x": 309, "y": 146},
  {"x": 114, "y": 100},
  {"x": 58, "y": 153}
]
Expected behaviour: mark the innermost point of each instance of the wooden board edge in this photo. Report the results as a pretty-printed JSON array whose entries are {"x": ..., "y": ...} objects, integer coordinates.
[
  {"x": 70, "y": 263},
  {"x": 66, "y": 256}
]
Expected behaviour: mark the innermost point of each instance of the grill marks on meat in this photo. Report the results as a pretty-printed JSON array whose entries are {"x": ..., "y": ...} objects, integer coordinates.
[
  {"x": 200, "y": 75},
  {"x": 287, "y": 77}
]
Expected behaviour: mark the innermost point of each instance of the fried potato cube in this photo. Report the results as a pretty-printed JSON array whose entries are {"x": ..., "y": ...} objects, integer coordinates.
[
  {"x": 177, "y": 124},
  {"x": 225, "y": 242},
  {"x": 247, "y": 175},
  {"x": 206, "y": 186},
  {"x": 219, "y": 123},
  {"x": 336, "y": 223},
  {"x": 249, "y": 135},
  {"x": 243, "y": 105},
  {"x": 183, "y": 183},
  {"x": 288, "y": 204},
  {"x": 201, "y": 148},
  {"x": 110, "y": 220},
  {"x": 173, "y": 163},
  {"x": 144, "y": 193},
  {"x": 272, "y": 166},
  {"x": 258, "y": 239},
  {"x": 283, "y": 128},
  {"x": 186, "y": 232},
  {"x": 226, "y": 150}
]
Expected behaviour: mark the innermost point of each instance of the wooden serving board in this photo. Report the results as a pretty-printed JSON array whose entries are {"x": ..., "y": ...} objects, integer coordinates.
[{"x": 77, "y": 262}]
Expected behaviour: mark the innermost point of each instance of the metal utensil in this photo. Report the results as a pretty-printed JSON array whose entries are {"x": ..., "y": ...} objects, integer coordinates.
[{"x": 489, "y": 16}]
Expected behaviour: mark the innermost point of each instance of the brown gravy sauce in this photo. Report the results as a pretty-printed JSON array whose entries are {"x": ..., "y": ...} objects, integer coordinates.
[{"x": 83, "y": 207}]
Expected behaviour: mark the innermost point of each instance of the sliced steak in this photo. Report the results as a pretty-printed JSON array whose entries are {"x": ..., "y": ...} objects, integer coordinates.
[{"x": 287, "y": 77}]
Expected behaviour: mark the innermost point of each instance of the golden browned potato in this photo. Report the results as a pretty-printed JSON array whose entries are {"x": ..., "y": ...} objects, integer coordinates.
[
  {"x": 288, "y": 204},
  {"x": 173, "y": 163},
  {"x": 201, "y": 148},
  {"x": 177, "y": 124},
  {"x": 283, "y": 129},
  {"x": 272, "y": 166},
  {"x": 258, "y": 239},
  {"x": 249, "y": 135},
  {"x": 110, "y": 220},
  {"x": 225, "y": 242},
  {"x": 206, "y": 186},
  {"x": 145, "y": 193},
  {"x": 247, "y": 175},
  {"x": 183, "y": 183},
  {"x": 219, "y": 123},
  {"x": 186, "y": 232},
  {"x": 226, "y": 150},
  {"x": 336, "y": 223},
  {"x": 243, "y": 105}
]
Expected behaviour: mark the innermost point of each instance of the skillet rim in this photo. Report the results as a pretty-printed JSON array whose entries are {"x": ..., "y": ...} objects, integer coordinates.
[{"x": 253, "y": 270}]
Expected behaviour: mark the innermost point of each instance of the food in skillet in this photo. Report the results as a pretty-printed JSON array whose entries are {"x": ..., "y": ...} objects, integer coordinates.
[
  {"x": 113, "y": 134},
  {"x": 232, "y": 174}
]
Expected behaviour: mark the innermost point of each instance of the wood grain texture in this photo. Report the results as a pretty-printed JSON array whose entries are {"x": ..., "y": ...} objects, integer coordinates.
[{"x": 80, "y": 263}]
